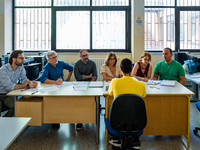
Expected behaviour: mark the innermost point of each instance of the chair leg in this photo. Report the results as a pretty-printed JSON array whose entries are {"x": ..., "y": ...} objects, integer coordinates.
[
  {"x": 196, "y": 130},
  {"x": 127, "y": 143}
]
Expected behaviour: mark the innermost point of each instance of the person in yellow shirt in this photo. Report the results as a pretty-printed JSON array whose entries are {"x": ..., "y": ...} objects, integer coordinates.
[{"x": 126, "y": 85}]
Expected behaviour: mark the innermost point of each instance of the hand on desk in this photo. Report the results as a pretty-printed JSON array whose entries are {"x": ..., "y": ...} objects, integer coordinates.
[
  {"x": 145, "y": 79},
  {"x": 59, "y": 81},
  {"x": 33, "y": 84}
]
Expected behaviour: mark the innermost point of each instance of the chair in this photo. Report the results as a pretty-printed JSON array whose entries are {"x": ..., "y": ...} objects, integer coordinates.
[
  {"x": 127, "y": 114},
  {"x": 4, "y": 108},
  {"x": 197, "y": 128}
]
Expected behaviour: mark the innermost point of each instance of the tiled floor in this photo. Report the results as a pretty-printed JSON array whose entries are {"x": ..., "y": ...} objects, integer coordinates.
[{"x": 48, "y": 137}]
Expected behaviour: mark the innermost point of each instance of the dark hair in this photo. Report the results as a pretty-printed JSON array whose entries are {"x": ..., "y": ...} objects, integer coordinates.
[
  {"x": 108, "y": 58},
  {"x": 126, "y": 65},
  {"x": 14, "y": 54},
  {"x": 82, "y": 50},
  {"x": 170, "y": 50}
]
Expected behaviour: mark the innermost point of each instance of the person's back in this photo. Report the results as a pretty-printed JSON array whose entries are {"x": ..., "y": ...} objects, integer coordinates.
[{"x": 126, "y": 85}]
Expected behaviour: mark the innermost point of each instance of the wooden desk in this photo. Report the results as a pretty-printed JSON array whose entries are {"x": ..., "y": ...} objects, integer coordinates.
[
  {"x": 195, "y": 87},
  {"x": 168, "y": 110},
  {"x": 62, "y": 106},
  {"x": 10, "y": 128}
]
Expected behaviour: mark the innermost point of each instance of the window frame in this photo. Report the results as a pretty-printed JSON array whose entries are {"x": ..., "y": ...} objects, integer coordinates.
[
  {"x": 177, "y": 25},
  {"x": 90, "y": 8}
]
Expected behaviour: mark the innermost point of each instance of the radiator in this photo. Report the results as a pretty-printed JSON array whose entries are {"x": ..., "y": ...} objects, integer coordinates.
[{"x": 99, "y": 62}]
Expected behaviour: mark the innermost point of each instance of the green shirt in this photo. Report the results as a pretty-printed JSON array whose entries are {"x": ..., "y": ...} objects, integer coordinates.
[{"x": 171, "y": 71}]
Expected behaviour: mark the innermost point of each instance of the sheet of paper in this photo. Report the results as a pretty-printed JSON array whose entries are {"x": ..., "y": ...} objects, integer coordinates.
[
  {"x": 153, "y": 82},
  {"x": 32, "y": 89},
  {"x": 135, "y": 78},
  {"x": 80, "y": 87},
  {"x": 48, "y": 89},
  {"x": 107, "y": 83},
  {"x": 64, "y": 84},
  {"x": 168, "y": 83},
  {"x": 80, "y": 83},
  {"x": 96, "y": 84}
]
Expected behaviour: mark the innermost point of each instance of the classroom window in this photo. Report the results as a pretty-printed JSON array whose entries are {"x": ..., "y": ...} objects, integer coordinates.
[
  {"x": 71, "y": 25},
  {"x": 172, "y": 23}
]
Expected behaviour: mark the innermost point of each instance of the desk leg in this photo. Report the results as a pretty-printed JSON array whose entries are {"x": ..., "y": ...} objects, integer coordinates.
[
  {"x": 188, "y": 136},
  {"x": 97, "y": 118},
  {"x": 195, "y": 89},
  {"x": 106, "y": 114}
]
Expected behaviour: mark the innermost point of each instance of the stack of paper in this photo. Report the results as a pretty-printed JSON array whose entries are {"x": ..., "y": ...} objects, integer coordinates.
[
  {"x": 168, "y": 83},
  {"x": 80, "y": 86},
  {"x": 153, "y": 82},
  {"x": 96, "y": 84}
]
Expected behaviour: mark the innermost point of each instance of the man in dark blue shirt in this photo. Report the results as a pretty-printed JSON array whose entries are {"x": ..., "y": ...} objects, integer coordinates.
[
  {"x": 53, "y": 70},
  {"x": 85, "y": 69}
]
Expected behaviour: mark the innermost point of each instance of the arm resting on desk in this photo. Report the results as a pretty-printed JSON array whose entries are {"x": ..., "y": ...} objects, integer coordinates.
[{"x": 182, "y": 80}]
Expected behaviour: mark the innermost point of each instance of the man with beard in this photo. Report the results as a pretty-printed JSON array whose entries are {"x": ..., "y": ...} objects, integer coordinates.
[
  {"x": 84, "y": 70},
  {"x": 10, "y": 75}
]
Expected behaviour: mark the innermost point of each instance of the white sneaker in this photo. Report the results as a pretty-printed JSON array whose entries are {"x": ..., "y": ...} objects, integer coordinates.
[
  {"x": 116, "y": 143},
  {"x": 136, "y": 147}
]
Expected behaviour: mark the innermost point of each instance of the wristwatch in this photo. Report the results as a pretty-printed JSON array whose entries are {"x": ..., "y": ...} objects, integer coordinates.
[{"x": 27, "y": 86}]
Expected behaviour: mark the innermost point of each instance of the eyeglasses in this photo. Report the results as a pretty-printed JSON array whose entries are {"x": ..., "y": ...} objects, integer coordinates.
[
  {"x": 22, "y": 58},
  {"x": 84, "y": 55},
  {"x": 146, "y": 59},
  {"x": 54, "y": 57},
  {"x": 112, "y": 59}
]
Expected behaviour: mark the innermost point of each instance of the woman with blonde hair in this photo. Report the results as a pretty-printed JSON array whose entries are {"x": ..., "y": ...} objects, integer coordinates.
[
  {"x": 142, "y": 69},
  {"x": 110, "y": 69}
]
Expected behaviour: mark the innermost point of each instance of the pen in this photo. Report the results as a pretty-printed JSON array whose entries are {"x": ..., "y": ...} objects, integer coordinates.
[
  {"x": 34, "y": 92},
  {"x": 25, "y": 89},
  {"x": 154, "y": 87}
]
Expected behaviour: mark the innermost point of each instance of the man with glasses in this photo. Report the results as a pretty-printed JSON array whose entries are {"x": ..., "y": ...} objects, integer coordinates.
[
  {"x": 169, "y": 69},
  {"x": 53, "y": 70},
  {"x": 11, "y": 75},
  {"x": 84, "y": 70}
]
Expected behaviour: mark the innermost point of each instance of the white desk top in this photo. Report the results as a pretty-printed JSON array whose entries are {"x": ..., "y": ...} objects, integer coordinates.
[
  {"x": 179, "y": 89},
  {"x": 62, "y": 91},
  {"x": 193, "y": 79},
  {"x": 10, "y": 128},
  {"x": 69, "y": 91}
]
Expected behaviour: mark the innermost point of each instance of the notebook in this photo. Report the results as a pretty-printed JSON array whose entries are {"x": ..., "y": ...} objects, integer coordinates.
[
  {"x": 168, "y": 83},
  {"x": 96, "y": 84}
]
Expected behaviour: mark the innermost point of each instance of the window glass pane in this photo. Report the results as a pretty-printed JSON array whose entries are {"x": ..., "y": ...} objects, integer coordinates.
[
  {"x": 73, "y": 30},
  {"x": 159, "y": 28},
  {"x": 110, "y": 2},
  {"x": 32, "y": 29},
  {"x": 188, "y": 2},
  {"x": 189, "y": 29},
  {"x": 159, "y": 2},
  {"x": 32, "y": 2},
  {"x": 108, "y": 30},
  {"x": 71, "y": 3}
]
